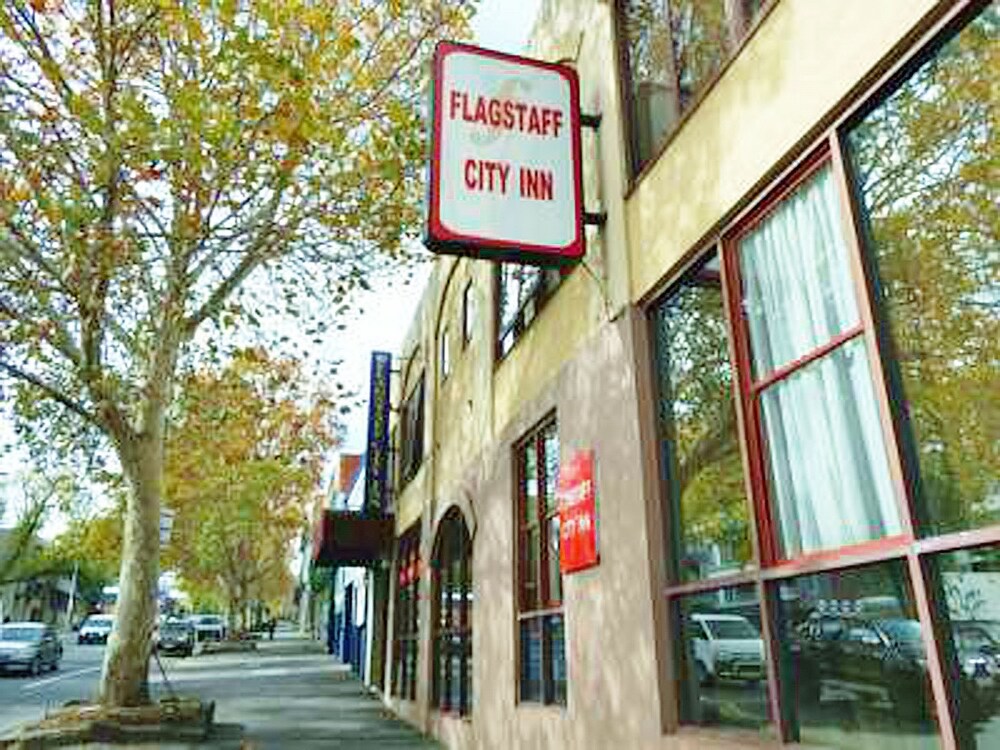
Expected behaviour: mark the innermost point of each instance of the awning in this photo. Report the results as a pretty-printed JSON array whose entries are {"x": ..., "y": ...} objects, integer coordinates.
[{"x": 345, "y": 537}]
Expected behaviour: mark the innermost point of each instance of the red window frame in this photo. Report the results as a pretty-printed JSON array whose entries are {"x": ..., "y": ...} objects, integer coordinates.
[
  {"x": 406, "y": 617},
  {"x": 545, "y": 603},
  {"x": 751, "y": 387}
]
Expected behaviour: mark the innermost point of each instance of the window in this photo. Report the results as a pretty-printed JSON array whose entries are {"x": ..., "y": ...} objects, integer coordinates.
[
  {"x": 672, "y": 50},
  {"x": 701, "y": 453},
  {"x": 721, "y": 657},
  {"x": 854, "y": 314},
  {"x": 445, "y": 354},
  {"x": 925, "y": 164},
  {"x": 540, "y": 617},
  {"x": 809, "y": 378},
  {"x": 412, "y": 433},
  {"x": 468, "y": 313},
  {"x": 453, "y": 634},
  {"x": 406, "y": 615},
  {"x": 854, "y": 631},
  {"x": 965, "y": 583},
  {"x": 521, "y": 291}
]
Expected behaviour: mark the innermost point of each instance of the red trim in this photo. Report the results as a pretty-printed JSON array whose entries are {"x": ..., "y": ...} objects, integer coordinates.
[
  {"x": 742, "y": 369},
  {"x": 819, "y": 352},
  {"x": 786, "y": 185},
  {"x": 442, "y": 239},
  {"x": 810, "y": 559}
]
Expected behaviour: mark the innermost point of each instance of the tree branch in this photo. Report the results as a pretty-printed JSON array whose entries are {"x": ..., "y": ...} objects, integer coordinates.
[{"x": 54, "y": 393}]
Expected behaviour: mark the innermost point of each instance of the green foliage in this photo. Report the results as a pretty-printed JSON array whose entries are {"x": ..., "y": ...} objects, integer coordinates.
[
  {"x": 927, "y": 162},
  {"x": 242, "y": 466},
  {"x": 156, "y": 155}
]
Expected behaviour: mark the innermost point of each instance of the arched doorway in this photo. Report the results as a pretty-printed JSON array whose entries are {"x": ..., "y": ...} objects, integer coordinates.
[{"x": 452, "y": 617}]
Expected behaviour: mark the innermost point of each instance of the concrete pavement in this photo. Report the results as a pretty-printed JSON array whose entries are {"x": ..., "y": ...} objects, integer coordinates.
[{"x": 287, "y": 694}]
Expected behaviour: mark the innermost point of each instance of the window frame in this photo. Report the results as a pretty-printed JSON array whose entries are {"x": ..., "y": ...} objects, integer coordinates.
[
  {"x": 545, "y": 605},
  {"x": 468, "y": 312},
  {"x": 913, "y": 552},
  {"x": 406, "y": 613},
  {"x": 635, "y": 170},
  {"x": 452, "y": 523},
  {"x": 411, "y": 433}
]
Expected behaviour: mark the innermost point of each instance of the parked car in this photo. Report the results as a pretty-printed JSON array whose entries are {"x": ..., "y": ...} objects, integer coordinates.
[
  {"x": 209, "y": 627},
  {"x": 876, "y": 659},
  {"x": 95, "y": 629},
  {"x": 726, "y": 647},
  {"x": 29, "y": 647},
  {"x": 176, "y": 637}
]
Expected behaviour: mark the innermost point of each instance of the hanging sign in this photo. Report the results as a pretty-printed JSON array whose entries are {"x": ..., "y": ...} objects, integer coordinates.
[
  {"x": 505, "y": 175},
  {"x": 377, "y": 461},
  {"x": 577, "y": 513}
]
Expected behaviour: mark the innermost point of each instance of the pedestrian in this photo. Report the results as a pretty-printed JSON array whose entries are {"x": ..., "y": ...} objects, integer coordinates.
[{"x": 271, "y": 625}]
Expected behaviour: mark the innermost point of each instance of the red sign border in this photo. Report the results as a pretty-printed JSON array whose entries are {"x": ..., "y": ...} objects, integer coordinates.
[{"x": 440, "y": 238}]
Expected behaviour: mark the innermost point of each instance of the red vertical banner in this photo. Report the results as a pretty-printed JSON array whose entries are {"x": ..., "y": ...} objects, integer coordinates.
[{"x": 577, "y": 513}]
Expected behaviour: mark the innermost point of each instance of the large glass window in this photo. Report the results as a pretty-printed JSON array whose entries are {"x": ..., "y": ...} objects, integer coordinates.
[
  {"x": 853, "y": 660},
  {"x": 827, "y": 466},
  {"x": 406, "y": 615},
  {"x": 672, "y": 50},
  {"x": 967, "y": 585},
  {"x": 700, "y": 450},
  {"x": 542, "y": 647},
  {"x": 453, "y": 635},
  {"x": 925, "y": 161},
  {"x": 869, "y": 637},
  {"x": 521, "y": 291},
  {"x": 721, "y": 653}
]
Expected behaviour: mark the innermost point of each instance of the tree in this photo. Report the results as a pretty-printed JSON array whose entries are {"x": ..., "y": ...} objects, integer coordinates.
[
  {"x": 22, "y": 557},
  {"x": 925, "y": 160},
  {"x": 156, "y": 155},
  {"x": 242, "y": 465}
]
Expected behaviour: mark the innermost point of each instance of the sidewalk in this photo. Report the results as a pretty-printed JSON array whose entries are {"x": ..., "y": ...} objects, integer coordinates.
[{"x": 297, "y": 696}]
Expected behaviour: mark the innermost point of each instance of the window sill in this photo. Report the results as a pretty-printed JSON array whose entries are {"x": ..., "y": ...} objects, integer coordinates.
[{"x": 740, "y": 737}]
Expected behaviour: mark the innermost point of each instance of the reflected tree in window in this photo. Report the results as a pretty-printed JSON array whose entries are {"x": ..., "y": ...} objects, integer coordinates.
[
  {"x": 701, "y": 454},
  {"x": 925, "y": 160}
]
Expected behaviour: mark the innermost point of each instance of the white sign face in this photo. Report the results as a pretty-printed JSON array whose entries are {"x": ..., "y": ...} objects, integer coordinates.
[{"x": 505, "y": 169}]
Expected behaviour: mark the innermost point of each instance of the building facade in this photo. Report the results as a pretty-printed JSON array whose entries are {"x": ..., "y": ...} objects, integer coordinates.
[{"x": 781, "y": 351}]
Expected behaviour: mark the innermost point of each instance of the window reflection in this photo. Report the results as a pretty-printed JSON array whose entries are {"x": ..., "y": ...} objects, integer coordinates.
[
  {"x": 853, "y": 664},
  {"x": 673, "y": 50},
  {"x": 723, "y": 671},
  {"x": 925, "y": 164},
  {"x": 967, "y": 586},
  {"x": 697, "y": 418}
]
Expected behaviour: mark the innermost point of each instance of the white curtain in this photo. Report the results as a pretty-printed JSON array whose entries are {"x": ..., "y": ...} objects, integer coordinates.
[{"x": 828, "y": 470}]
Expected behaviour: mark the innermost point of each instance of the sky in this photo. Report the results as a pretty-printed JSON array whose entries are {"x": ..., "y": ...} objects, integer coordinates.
[
  {"x": 502, "y": 25},
  {"x": 385, "y": 313}
]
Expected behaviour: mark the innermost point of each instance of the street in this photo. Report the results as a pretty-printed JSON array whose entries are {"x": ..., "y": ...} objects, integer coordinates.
[
  {"x": 287, "y": 694},
  {"x": 23, "y": 698}
]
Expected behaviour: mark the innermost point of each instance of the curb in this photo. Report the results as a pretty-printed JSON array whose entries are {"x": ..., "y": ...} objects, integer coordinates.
[{"x": 170, "y": 726}]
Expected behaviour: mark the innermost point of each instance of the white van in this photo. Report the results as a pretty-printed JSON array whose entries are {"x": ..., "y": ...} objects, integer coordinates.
[{"x": 726, "y": 647}]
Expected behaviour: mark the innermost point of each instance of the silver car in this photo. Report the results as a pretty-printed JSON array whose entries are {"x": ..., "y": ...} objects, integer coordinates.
[{"x": 29, "y": 647}]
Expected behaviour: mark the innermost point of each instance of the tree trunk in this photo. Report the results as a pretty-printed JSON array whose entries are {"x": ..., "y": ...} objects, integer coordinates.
[{"x": 126, "y": 660}]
